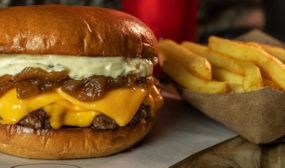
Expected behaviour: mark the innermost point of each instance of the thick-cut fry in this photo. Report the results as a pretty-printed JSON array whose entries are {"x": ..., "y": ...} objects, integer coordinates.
[
  {"x": 195, "y": 64},
  {"x": 269, "y": 64},
  {"x": 196, "y": 48},
  {"x": 243, "y": 66},
  {"x": 227, "y": 76},
  {"x": 236, "y": 88},
  {"x": 252, "y": 76},
  {"x": 235, "y": 81},
  {"x": 215, "y": 59},
  {"x": 275, "y": 51},
  {"x": 225, "y": 62},
  {"x": 184, "y": 78}
]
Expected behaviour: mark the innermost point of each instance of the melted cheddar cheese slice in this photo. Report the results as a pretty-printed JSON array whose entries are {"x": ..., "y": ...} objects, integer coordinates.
[
  {"x": 115, "y": 104},
  {"x": 119, "y": 104}
]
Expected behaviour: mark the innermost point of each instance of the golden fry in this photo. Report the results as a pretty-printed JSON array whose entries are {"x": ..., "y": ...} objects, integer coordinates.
[
  {"x": 216, "y": 59},
  {"x": 235, "y": 81},
  {"x": 233, "y": 70},
  {"x": 236, "y": 88},
  {"x": 227, "y": 76},
  {"x": 224, "y": 62},
  {"x": 275, "y": 51},
  {"x": 192, "y": 83},
  {"x": 252, "y": 76},
  {"x": 254, "y": 53},
  {"x": 196, "y": 48},
  {"x": 195, "y": 64}
]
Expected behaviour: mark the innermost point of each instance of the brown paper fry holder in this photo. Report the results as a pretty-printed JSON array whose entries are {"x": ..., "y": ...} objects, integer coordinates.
[{"x": 258, "y": 116}]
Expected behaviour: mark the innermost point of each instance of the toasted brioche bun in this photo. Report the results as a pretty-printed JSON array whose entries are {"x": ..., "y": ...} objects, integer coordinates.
[
  {"x": 82, "y": 31},
  {"x": 69, "y": 143}
]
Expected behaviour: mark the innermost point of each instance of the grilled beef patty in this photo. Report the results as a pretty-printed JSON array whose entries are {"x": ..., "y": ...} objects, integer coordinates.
[{"x": 39, "y": 119}]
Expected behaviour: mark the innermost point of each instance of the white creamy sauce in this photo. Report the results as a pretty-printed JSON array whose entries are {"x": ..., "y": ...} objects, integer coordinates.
[{"x": 79, "y": 67}]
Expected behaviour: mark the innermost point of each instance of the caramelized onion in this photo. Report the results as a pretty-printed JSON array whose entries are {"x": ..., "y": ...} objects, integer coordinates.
[
  {"x": 33, "y": 81},
  {"x": 94, "y": 87},
  {"x": 88, "y": 89},
  {"x": 6, "y": 83},
  {"x": 26, "y": 89},
  {"x": 37, "y": 73}
]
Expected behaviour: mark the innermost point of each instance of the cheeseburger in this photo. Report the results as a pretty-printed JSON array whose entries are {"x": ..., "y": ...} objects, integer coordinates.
[{"x": 75, "y": 82}]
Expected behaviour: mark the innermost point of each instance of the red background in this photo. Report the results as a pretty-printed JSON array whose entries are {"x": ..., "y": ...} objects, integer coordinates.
[{"x": 173, "y": 19}]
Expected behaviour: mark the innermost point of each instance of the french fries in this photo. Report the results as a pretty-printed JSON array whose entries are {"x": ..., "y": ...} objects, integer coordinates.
[
  {"x": 224, "y": 75},
  {"x": 251, "y": 73},
  {"x": 195, "y": 64},
  {"x": 214, "y": 58},
  {"x": 234, "y": 66},
  {"x": 275, "y": 51},
  {"x": 223, "y": 61},
  {"x": 235, "y": 81},
  {"x": 273, "y": 67},
  {"x": 252, "y": 77},
  {"x": 236, "y": 88},
  {"x": 196, "y": 48},
  {"x": 180, "y": 75}
]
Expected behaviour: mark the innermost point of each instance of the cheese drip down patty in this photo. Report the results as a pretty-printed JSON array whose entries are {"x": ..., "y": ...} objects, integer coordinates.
[
  {"x": 78, "y": 67},
  {"x": 64, "y": 109}
]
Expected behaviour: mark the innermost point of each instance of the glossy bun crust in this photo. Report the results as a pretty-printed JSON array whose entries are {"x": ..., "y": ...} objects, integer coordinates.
[
  {"x": 69, "y": 143},
  {"x": 85, "y": 31}
]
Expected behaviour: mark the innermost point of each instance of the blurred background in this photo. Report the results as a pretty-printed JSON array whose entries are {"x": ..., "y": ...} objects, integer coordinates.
[{"x": 192, "y": 20}]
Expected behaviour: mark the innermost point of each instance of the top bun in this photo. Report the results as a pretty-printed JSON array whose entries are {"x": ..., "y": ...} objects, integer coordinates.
[{"x": 82, "y": 31}]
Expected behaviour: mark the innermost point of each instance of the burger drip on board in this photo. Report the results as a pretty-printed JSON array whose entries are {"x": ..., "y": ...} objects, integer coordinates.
[{"x": 75, "y": 82}]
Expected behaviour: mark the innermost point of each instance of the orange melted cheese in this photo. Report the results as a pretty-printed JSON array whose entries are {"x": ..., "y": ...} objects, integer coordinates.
[{"x": 119, "y": 104}]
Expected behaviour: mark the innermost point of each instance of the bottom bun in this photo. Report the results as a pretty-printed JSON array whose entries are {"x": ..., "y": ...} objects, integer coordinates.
[{"x": 69, "y": 143}]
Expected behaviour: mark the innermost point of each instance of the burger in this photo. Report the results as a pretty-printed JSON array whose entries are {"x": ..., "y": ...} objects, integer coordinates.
[{"x": 75, "y": 82}]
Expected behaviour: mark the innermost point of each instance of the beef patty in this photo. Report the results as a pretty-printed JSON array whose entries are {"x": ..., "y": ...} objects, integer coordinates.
[{"x": 39, "y": 119}]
